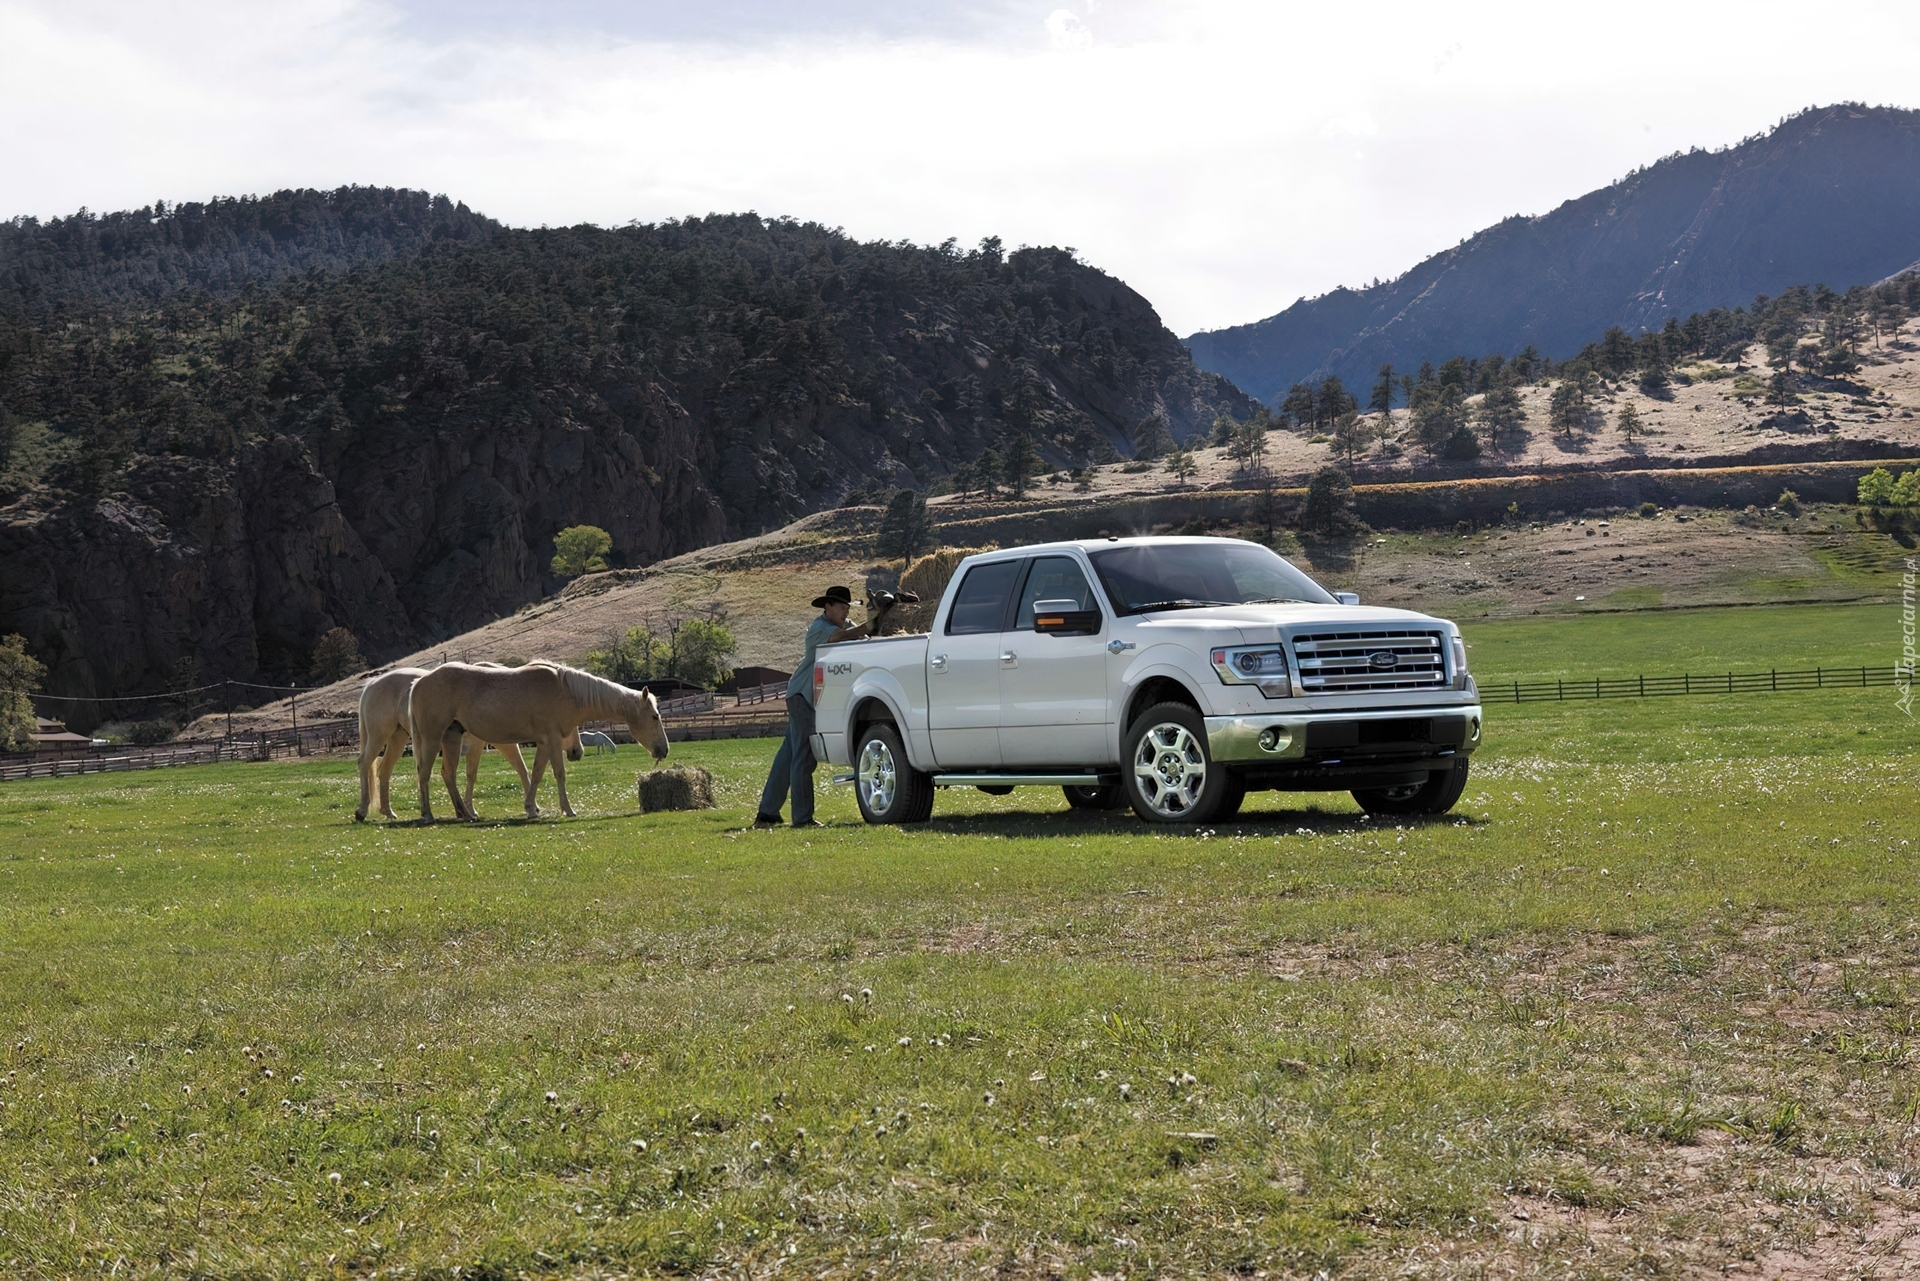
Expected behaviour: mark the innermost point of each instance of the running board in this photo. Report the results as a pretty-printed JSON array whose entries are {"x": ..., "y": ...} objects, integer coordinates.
[{"x": 1020, "y": 780}]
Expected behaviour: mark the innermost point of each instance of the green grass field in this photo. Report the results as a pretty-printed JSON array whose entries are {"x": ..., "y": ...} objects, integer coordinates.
[{"x": 1645, "y": 1003}]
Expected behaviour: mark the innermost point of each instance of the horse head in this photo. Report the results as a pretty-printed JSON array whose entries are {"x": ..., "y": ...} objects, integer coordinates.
[
  {"x": 643, "y": 718},
  {"x": 571, "y": 743}
]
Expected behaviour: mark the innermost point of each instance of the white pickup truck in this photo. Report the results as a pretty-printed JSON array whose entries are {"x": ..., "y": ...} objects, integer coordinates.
[{"x": 1172, "y": 674}]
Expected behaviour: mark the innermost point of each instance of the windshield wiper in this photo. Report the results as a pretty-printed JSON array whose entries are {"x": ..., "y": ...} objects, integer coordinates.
[
  {"x": 1182, "y": 603},
  {"x": 1275, "y": 600}
]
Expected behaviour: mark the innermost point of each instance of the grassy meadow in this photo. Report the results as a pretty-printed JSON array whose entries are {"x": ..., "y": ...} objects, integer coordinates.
[{"x": 1644, "y": 1004}]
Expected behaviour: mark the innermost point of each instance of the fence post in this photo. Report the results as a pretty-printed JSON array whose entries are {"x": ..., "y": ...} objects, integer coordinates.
[
  {"x": 1686, "y": 682},
  {"x": 1643, "y": 684},
  {"x": 1819, "y": 679},
  {"x": 229, "y": 688},
  {"x": 1596, "y": 689},
  {"x": 1562, "y": 687},
  {"x": 1516, "y": 692},
  {"x": 1776, "y": 680},
  {"x": 1729, "y": 682}
]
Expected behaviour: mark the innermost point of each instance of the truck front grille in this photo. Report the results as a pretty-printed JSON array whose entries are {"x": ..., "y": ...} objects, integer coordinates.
[{"x": 1358, "y": 662}]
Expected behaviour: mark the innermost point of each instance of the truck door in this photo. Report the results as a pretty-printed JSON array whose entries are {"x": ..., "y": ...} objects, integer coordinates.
[
  {"x": 1053, "y": 687},
  {"x": 963, "y": 669}
]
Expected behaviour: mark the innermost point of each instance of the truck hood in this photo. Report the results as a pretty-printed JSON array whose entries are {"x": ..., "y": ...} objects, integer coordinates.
[{"x": 1233, "y": 618}]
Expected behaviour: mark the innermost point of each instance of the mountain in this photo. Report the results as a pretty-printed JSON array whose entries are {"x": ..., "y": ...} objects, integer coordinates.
[
  {"x": 229, "y": 443},
  {"x": 1832, "y": 195}
]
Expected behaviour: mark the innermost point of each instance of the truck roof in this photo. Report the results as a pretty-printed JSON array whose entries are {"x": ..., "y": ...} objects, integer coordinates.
[{"x": 1097, "y": 544}]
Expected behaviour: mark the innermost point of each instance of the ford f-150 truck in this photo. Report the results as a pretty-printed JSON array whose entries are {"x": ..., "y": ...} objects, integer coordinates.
[{"x": 1172, "y": 674}]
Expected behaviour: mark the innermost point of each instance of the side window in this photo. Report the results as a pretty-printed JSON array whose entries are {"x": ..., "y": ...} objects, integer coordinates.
[
  {"x": 981, "y": 601},
  {"x": 1053, "y": 578}
]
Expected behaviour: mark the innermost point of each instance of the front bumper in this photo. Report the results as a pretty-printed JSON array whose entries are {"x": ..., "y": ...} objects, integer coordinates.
[{"x": 1333, "y": 738}]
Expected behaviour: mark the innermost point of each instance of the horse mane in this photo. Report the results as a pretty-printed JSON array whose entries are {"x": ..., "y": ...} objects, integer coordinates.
[{"x": 588, "y": 690}]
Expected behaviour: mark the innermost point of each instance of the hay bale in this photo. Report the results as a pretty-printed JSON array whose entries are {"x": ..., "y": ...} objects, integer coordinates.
[{"x": 679, "y": 788}]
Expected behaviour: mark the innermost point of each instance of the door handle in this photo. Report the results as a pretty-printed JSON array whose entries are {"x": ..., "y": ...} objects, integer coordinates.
[
  {"x": 938, "y": 662},
  {"x": 1118, "y": 646},
  {"x": 1009, "y": 659}
]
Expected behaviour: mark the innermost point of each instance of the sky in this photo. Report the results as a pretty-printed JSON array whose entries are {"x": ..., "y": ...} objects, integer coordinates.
[{"x": 1224, "y": 157}]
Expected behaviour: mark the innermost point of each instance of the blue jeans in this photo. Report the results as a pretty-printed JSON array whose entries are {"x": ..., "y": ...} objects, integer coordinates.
[{"x": 793, "y": 766}]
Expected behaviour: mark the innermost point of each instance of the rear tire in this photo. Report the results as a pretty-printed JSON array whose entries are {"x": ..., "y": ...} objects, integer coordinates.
[
  {"x": 1109, "y": 796},
  {"x": 1435, "y": 796},
  {"x": 1168, "y": 774},
  {"x": 887, "y": 787}
]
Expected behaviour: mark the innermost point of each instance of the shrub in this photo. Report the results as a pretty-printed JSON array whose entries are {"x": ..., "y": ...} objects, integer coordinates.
[
  {"x": 147, "y": 733},
  {"x": 580, "y": 549},
  {"x": 20, "y": 677},
  {"x": 1649, "y": 510},
  {"x": 1879, "y": 488},
  {"x": 1788, "y": 502}
]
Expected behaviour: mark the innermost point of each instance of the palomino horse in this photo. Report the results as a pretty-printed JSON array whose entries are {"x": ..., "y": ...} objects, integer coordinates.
[
  {"x": 384, "y": 733},
  {"x": 541, "y": 703}
]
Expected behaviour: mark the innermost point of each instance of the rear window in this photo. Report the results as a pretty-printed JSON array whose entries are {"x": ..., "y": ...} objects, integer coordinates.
[{"x": 981, "y": 602}]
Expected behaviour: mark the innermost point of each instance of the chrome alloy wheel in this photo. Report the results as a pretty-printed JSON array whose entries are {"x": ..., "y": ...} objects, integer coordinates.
[
  {"x": 878, "y": 778},
  {"x": 1170, "y": 769}
]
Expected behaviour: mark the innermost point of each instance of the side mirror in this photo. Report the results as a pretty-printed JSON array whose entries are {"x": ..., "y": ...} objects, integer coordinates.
[
  {"x": 1347, "y": 598},
  {"x": 1064, "y": 618}
]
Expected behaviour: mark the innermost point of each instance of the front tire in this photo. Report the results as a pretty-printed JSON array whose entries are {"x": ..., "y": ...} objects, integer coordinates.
[
  {"x": 888, "y": 788},
  {"x": 1435, "y": 796},
  {"x": 1168, "y": 774}
]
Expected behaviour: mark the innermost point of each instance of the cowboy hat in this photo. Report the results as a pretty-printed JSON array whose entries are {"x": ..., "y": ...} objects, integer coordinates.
[{"x": 835, "y": 594}]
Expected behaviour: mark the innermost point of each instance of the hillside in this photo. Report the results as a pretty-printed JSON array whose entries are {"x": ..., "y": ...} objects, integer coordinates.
[
  {"x": 201, "y": 486},
  {"x": 220, "y": 247},
  {"x": 1828, "y": 196}
]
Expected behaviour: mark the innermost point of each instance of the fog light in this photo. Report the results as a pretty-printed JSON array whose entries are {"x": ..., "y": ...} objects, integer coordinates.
[
  {"x": 1274, "y": 739},
  {"x": 1473, "y": 729}
]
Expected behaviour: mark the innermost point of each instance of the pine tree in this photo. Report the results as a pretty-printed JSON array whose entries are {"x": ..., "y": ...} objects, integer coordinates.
[
  {"x": 906, "y": 529},
  {"x": 336, "y": 656},
  {"x": 1381, "y": 402},
  {"x": 1298, "y": 407},
  {"x": 1329, "y": 505},
  {"x": 1019, "y": 463},
  {"x": 1351, "y": 434},
  {"x": 1152, "y": 438},
  {"x": 1628, "y": 420}
]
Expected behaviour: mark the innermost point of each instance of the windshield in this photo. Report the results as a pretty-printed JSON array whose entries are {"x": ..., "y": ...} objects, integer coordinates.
[{"x": 1221, "y": 571}]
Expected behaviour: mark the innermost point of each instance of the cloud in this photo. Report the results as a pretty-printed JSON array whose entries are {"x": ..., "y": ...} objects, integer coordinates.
[
  {"x": 1212, "y": 164},
  {"x": 1066, "y": 30}
]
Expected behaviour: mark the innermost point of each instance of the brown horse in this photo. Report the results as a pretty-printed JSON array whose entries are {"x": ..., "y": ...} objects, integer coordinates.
[
  {"x": 384, "y": 733},
  {"x": 541, "y": 703}
]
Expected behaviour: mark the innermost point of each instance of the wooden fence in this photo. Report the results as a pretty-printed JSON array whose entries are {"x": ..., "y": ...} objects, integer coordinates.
[{"x": 774, "y": 692}]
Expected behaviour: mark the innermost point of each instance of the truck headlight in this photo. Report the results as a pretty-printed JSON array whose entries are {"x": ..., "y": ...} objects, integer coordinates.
[
  {"x": 1459, "y": 663},
  {"x": 1264, "y": 666}
]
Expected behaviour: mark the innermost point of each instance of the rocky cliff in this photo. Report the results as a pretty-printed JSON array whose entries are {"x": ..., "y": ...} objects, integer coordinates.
[{"x": 205, "y": 480}]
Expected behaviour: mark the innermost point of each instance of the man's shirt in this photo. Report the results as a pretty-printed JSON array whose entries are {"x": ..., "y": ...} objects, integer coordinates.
[{"x": 802, "y": 683}]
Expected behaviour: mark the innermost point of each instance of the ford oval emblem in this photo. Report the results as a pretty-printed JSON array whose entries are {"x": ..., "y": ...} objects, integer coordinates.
[{"x": 1382, "y": 659}]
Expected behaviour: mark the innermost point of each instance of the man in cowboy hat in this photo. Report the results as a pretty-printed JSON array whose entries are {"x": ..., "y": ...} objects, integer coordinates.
[{"x": 793, "y": 764}]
